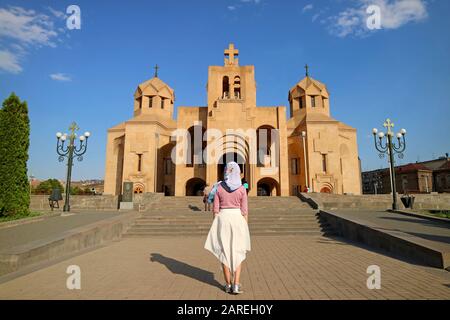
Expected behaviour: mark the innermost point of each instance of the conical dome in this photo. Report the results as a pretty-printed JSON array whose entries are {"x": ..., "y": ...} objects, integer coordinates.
[
  {"x": 155, "y": 87},
  {"x": 308, "y": 86}
]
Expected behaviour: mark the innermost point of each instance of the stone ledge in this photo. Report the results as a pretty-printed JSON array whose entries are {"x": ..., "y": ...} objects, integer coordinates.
[
  {"x": 399, "y": 243},
  {"x": 69, "y": 242},
  {"x": 419, "y": 215}
]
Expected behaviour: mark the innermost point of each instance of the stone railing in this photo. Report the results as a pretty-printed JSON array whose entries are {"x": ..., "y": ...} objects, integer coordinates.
[
  {"x": 104, "y": 202},
  {"x": 375, "y": 202},
  {"x": 96, "y": 203}
]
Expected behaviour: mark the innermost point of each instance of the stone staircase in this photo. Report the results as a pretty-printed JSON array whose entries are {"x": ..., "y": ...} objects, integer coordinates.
[{"x": 184, "y": 216}]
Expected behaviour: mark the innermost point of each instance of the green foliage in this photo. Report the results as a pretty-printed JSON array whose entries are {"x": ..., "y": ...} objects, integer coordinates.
[
  {"x": 46, "y": 187},
  {"x": 14, "y": 143},
  {"x": 20, "y": 216},
  {"x": 441, "y": 213},
  {"x": 76, "y": 190}
]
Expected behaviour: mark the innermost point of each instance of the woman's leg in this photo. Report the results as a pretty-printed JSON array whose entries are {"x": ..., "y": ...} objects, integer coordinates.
[
  {"x": 237, "y": 274},
  {"x": 226, "y": 274}
]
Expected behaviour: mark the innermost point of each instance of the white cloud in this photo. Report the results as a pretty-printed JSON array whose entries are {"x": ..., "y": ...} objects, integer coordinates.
[
  {"x": 60, "y": 77},
  {"x": 22, "y": 30},
  {"x": 307, "y": 7},
  {"x": 394, "y": 14},
  {"x": 315, "y": 17},
  {"x": 26, "y": 26},
  {"x": 231, "y": 8},
  {"x": 251, "y": 1},
  {"x": 57, "y": 13},
  {"x": 9, "y": 62}
]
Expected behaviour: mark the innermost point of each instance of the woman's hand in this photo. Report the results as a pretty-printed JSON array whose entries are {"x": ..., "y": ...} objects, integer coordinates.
[{"x": 246, "y": 218}]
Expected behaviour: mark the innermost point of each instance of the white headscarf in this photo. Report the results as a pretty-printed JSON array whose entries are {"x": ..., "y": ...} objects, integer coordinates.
[{"x": 233, "y": 175}]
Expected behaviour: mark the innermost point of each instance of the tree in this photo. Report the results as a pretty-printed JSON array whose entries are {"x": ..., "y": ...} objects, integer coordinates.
[
  {"x": 47, "y": 186},
  {"x": 14, "y": 143}
]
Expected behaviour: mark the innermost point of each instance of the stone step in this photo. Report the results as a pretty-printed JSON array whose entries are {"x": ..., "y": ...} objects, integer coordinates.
[
  {"x": 184, "y": 216},
  {"x": 208, "y": 225},
  {"x": 205, "y": 231},
  {"x": 267, "y": 233},
  {"x": 267, "y": 219},
  {"x": 252, "y": 213}
]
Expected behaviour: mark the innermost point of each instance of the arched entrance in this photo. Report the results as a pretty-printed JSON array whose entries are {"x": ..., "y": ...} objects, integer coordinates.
[
  {"x": 195, "y": 186},
  {"x": 227, "y": 157},
  {"x": 325, "y": 190},
  {"x": 268, "y": 187}
]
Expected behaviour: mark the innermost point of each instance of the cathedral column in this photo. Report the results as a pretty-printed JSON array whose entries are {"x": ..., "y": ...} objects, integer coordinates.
[{"x": 283, "y": 153}]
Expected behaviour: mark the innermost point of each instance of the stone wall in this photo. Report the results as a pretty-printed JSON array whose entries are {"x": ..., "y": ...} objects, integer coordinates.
[
  {"x": 106, "y": 202},
  {"x": 96, "y": 203},
  {"x": 376, "y": 202}
]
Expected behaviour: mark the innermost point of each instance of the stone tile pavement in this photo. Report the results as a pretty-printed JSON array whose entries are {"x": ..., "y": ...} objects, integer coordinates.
[{"x": 279, "y": 267}]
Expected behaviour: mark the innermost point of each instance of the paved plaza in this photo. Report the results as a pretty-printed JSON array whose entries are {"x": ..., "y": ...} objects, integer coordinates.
[{"x": 281, "y": 267}]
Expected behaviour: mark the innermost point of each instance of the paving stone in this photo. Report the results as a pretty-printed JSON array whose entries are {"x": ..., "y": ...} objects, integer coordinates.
[{"x": 281, "y": 267}]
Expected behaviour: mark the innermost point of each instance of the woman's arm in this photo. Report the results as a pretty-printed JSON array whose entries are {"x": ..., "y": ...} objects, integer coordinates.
[
  {"x": 244, "y": 204},
  {"x": 216, "y": 203}
]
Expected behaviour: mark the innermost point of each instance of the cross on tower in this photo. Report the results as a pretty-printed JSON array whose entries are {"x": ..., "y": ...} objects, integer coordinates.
[
  {"x": 307, "y": 70},
  {"x": 230, "y": 53},
  {"x": 73, "y": 128},
  {"x": 156, "y": 71},
  {"x": 388, "y": 124}
]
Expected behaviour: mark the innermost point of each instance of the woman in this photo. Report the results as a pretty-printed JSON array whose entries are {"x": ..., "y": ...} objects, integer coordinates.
[
  {"x": 229, "y": 237},
  {"x": 206, "y": 192}
]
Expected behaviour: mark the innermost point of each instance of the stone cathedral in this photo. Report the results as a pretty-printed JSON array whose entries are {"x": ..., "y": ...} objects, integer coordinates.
[{"x": 278, "y": 155}]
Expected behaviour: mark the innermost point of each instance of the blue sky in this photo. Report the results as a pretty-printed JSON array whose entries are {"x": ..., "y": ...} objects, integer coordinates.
[{"x": 401, "y": 71}]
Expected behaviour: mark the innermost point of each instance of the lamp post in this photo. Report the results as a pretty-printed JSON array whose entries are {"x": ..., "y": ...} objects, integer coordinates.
[
  {"x": 70, "y": 151},
  {"x": 390, "y": 148},
  {"x": 304, "y": 159}
]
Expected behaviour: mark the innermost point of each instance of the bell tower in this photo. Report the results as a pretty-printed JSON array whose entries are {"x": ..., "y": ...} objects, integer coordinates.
[
  {"x": 309, "y": 96},
  {"x": 154, "y": 97},
  {"x": 231, "y": 82}
]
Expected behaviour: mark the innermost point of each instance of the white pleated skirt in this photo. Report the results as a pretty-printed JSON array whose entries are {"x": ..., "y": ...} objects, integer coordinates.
[{"x": 229, "y": 238}]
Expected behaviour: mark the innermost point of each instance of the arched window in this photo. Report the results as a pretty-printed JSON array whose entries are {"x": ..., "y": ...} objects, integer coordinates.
[
  {"x": 264, "y": 141},
  {"x": 225, "y": 88},
  {"x": 196, "y": 146},
  {"x": 237, "y": 87},
  {"x": 313, "y": 101},
  {"x": 150, "y": 101}
]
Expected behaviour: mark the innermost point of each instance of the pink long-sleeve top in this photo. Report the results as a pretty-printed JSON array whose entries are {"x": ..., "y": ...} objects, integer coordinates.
[{"x": 225, "y": 200}]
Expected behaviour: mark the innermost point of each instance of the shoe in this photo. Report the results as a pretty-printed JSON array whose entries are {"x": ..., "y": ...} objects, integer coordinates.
[
  {"x": 227, "y": 288},
  {"x": 237, "y": 289}
]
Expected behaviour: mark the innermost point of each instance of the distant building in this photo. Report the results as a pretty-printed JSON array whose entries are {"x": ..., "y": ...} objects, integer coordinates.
[
  {"x": 420, "y": 177},
  {"x": 441, "y": 177}
]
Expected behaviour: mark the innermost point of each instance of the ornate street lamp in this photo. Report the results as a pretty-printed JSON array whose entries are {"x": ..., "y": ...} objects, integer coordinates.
[
  {"x": 70, "y": 151},
  {"x": 390, "y": 148}
]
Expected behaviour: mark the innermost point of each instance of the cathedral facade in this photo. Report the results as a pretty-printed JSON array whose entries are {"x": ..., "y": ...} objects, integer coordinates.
[{"x": 278, "y": 156}]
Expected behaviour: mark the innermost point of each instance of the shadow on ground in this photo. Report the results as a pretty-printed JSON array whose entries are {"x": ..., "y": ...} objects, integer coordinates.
[
  {"x": 336, "y": 239},
  {"x": 178, "y": 267}
]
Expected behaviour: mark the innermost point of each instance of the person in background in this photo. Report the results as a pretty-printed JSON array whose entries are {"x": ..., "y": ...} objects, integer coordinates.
[
  {"x": 206, "y": 192},
  {"x": 245, "y": 184}
]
